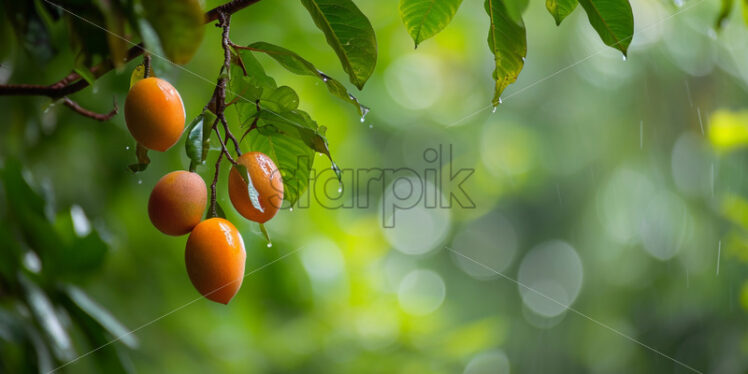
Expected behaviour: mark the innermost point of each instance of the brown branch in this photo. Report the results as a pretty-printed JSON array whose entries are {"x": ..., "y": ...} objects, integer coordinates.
[
  {"x": 73, "y": 82},
  {"x": 212, "y": 208},
  {"x": 85, "y": 112}
]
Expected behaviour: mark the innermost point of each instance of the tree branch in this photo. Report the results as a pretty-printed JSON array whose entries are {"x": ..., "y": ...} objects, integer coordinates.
[
  {"x": 85, "y": 112},
  {"x": 73, "y": 82}
]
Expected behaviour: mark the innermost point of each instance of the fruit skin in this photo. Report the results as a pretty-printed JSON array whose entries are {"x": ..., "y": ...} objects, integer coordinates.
[
  {"x": 177, "y": 202},
  {"x": 215, "y": 258},
  {"x": 266, "y": 179},
  {"x": 154, "y": 113}
]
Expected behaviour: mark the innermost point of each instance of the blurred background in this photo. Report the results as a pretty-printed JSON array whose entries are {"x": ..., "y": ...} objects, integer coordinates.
[{"x": 614, "y": 186}]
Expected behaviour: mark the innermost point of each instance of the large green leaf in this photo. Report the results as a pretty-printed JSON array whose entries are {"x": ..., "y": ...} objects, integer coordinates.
[
  {"x": 515, "y": 8},
  {"x": 179, "y": 25},
  {"x": 275, "y": 125},
  {"x": 613, "y": 20},
  {"x": 426, "y": 18},
  {"x": 298, "y": 65},
  {"x": 559, "y": 9},
  {"x": 508, "y": 43},
  {"x": 101, "y": 316},
  {"x": 350, "y": 35}
]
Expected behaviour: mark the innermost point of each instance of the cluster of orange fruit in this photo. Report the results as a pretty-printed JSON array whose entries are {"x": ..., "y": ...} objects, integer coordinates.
[{"x": 215, "y": 253}]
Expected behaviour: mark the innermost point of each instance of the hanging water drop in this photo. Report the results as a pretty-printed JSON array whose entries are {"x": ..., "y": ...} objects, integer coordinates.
[
  {"x": 623, "y": 58},
  {"x": 270, "y": 245},
  {"x": 493, "y": 110},
  {"x": 140, "y": 181},
  {"x": 290, "y": 209},
  {"x": 364, "y": 112},
  {"x": 501, "y": 100},
  {"x": 340, "y": 189},
  {"x": 127, "y": 147}
]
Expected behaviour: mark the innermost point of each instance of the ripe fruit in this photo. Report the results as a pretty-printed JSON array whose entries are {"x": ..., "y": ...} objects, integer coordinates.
[
  {"x": 177, "y": 202},
  {"x": 215, "y": 259},
  {"x": 154, "y": 113},
  {"x": 266, "y": 179}
]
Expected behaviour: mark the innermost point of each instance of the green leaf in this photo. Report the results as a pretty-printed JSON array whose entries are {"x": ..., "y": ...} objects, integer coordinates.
[
  {"x": 85, "y": 74},
  {"x": 613, "y": 20},
  {"x": 298, "y": 65},
  {"x": 143, "y": 160},
  {"x": 45, "y": 315},
  {"x": 198, "y": 140},
  {"x": 508, "y": 43},
  {"x": 745, "y": 11},
  {"x": 515, "y": 8},
  {"x": 254, "y": 195},
  {"x": 139, "y": 73},
  {"x": 350, "y": 35},
  {"x": 101, "y": 316},
  {"x": 264, "y": 232},
  {"x": 179, "y": 25},
  {"x": 152, "y": 45},
  {"x": 426, "y": 18},
  {"x": 724, "y": 13},
  {"x": 559, "y": 9}
]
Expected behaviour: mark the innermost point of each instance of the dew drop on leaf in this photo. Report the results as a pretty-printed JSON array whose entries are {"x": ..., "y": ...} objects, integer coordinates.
[
  {"x": 270, "y": 245},
  {"x": 493, "y": 110}
]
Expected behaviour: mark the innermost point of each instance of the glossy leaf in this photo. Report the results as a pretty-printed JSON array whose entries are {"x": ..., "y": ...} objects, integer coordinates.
[
  {"x": 508, "y": 43},
  {"x": 350, "y": 35},
  {"x": 101, "y": 316},
  {"x": 613, "y": 20},
  {"x": 198, "y": 139},
  {"x": 426, "y": 18},
  {"x": 559, "y": 9},
  {"x": 298, "y": 65},
  {"x": 179, "y": 25}
]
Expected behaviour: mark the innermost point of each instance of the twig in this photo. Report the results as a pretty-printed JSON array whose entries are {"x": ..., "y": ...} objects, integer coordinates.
[
  {"x": 73, "y": 82},
  {"x": 213, "y": 186},
  {"x": 90, "y": 114},
  {"x": 146, "y": 65}
]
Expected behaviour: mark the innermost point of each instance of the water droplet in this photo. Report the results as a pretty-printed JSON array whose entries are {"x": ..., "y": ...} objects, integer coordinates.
[
  {"x": 127, "y": 148},
  {"x": 523, "y": 58},
  {"x": 140, "y": 181},
  {"x": 371, "y": 126},
  {"x": 501, "y": 100},
  {"x": 270, "y": 245},
  {"x": 623, "y": 57},
  {"x": 340, "y": 189},
  {"x": 290, "y": 209},
  {"x": 493, "y": 110},
  {"x": 364, "y": 112}
]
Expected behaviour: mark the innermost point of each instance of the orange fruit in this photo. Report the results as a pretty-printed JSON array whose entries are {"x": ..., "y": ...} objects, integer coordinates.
[
  {"x": 177, "y": 202},
  {"x": 215, "y": 258},
  {"x": 266, "y": 179},
  {"x": 154, "y": 113}
]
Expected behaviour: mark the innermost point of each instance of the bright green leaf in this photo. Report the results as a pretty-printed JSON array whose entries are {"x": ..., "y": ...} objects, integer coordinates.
[
  {"x": 292, "y": 156},
  {"x": 515, "y": 8},
  {"x": 426, "y": 18},
  {"x": 179, "y": 25},
  {"x": 198, "y": 139},
  {"x": 298, "y": 65},
  {"x": 139, "y": 73},
  {"x": 559, "y": 9},
  {"x": 613, "y": 20},
  {"x": 508, "y": 43},
  {"x": 350, "y": 35}
]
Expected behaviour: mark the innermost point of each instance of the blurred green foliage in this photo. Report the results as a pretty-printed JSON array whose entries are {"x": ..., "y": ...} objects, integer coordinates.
[{"x": 638, "y": 165}]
